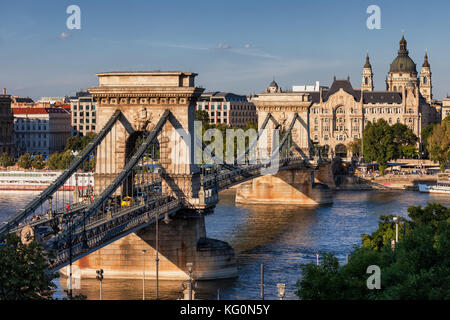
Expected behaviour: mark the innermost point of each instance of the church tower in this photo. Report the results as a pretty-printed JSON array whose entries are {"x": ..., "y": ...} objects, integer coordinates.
[
  {"x": 367, "y": 76},
  {"x": 402, "y": 70},
  {"x": 425, "y": 80}
]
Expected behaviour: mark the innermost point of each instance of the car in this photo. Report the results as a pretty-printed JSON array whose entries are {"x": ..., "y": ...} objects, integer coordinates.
[{"x": 126, "y": 202}]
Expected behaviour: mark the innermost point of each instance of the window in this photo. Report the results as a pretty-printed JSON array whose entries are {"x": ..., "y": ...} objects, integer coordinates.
[
  {"x": 326, "y": 137},
  {"x": 425, "y": 80}
]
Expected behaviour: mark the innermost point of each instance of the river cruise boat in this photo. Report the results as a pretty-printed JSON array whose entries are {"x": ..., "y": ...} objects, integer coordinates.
[
  {"x": 440, "y": 187},
  {"x": 40, "y": 180}
]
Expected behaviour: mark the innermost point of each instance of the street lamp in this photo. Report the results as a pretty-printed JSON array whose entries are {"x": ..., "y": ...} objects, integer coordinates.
[
  {"x": 396, "y": 229},
  {"x": 100, "y": 278},
  {"x": 317, "y": 258},
  {"x": 281, "y": 290},
  {"x": 143, "y": 274}
]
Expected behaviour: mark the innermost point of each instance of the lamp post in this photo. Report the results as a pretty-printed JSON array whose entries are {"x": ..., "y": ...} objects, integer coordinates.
[
  {"x": 143, "y": 274},
  {"x": 157, "y": 259},
  {"x": 396, "y": 229},
  {"x": 100, "y": 278},
  {"x": 281, "y": 290},
  {"x": 189, "y": 266},
  {"x": 317, "y": 258}
]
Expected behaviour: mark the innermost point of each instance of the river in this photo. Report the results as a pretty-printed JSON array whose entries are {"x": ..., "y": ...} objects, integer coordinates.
[{"x": 280, "y": 237}]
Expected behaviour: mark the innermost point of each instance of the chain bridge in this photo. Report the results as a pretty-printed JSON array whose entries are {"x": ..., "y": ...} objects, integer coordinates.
[{"x": 146, "y": 171}]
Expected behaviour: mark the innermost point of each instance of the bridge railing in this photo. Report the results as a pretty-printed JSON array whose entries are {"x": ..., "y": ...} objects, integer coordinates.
[{"x": 43, "y": 203}]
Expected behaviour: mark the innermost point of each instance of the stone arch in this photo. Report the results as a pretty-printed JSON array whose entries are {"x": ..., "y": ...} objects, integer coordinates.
[{"x": 340, "y": 150}]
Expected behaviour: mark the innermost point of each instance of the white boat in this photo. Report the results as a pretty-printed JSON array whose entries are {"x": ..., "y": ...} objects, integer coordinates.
[
  {"x": 40, "y": 180},
  {"x": 440, "y": 187}
]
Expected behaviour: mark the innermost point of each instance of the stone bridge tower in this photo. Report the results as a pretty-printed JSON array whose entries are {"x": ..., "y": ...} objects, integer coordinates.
[
  {"x": 142, "y": 97},
  {"x": 283, "y": 106}
]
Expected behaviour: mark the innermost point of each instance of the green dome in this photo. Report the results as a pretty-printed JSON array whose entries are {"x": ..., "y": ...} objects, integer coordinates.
[{"x": 403, "y": 63}]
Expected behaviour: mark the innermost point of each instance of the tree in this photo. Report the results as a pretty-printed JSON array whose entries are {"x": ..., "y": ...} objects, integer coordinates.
[
  {"x": 426, "y": 133},
  {"x": 38, "y": 162},
  {"x": 25, "y": 161},
  {"x": 355, "y": 147},
  {"x": 54, "y": 161},
  {"x": 24, "y": 271},
  {"x": 438, "y": 144},
  {"x": 379, "y": 143},
  {"x": 405, "y": 140},
  {"x": 417, "y": 268},
  {"x": 6, "y": 160}
]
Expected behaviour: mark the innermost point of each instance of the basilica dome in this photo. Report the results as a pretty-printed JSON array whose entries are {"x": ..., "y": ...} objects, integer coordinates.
[{"x": 403, "y": 63}]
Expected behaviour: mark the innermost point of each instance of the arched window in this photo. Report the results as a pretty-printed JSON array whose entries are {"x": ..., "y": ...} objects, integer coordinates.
[
  {"x": 366, "y": 80},
  {"x": 395, "y": 88},
  {"x": 425, "y": 80},
  {"x": 400, "y": 88}
]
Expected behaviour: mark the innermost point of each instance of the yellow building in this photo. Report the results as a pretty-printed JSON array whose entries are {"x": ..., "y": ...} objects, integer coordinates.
[{"x": 337, "y": 115}]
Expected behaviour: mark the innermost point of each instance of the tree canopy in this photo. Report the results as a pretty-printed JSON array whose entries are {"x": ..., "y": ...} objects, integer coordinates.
[
  {"x": 418, "y": 267},
  {"x": 23, "y": 271},
  {"x": 438, "y": 143},
  {"x": 383, "y": 142},
  {"x": 6, "y": 160}
]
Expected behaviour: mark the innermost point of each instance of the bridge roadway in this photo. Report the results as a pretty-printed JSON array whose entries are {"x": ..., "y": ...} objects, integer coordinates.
[
  {"x": 85, "y": 228},
  {"x": 113, "y": 222}
]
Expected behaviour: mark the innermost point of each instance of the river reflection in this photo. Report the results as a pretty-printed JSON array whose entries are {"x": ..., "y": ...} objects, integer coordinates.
[{"x": 280, "y": 237}]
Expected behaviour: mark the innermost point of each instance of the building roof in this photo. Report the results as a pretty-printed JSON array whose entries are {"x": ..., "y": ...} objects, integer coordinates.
[
  {"x": 273, "y": 84},
  {"x": 16, "y": 99},
  {"x": 367, "y": 65},
  {"x": 382, "y": 97},
  {"x": 426, "y": 64},
  {"x": 388, "y": 97},
  {"x": 403, "y": 63},
  {"x": 37, "y": 110},
  {"x": 344, "y": 85}
]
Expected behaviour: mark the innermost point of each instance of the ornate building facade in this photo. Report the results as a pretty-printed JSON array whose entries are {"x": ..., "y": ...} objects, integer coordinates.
[{"x": 338, "y": 115}]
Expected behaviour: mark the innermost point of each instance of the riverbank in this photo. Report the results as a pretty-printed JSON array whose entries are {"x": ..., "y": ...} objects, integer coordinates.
[{"x": 387, "y": 182}]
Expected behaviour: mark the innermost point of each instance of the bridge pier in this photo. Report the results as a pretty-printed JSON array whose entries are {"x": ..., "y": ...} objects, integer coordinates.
[
  {"x": 293, "y": 186},
  {"x": 182, "y": 240}
]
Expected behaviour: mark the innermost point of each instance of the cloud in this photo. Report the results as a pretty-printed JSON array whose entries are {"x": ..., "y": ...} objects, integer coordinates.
[
  {"x": 223, "y": 46},
  {"x": 246, "y": 50},
  {"x": 64, "y": 35}
]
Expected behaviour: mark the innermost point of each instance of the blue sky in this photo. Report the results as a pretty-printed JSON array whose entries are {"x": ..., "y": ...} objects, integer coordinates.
[{"x": 233, "y": 45}]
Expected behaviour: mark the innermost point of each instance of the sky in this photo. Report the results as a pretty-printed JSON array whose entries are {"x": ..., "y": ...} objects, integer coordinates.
[{"x": 237, "y": 46}]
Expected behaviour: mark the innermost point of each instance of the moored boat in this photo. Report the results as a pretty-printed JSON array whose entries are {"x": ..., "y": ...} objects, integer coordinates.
[{"x": 440, "y": 187}]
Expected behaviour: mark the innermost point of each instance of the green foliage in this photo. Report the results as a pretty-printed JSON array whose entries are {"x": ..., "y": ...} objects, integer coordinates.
[
  {"x": 38, "y": 162},
  {"x": 383, "y": 142},
  {"x": 405, "y": 140},
  {"x": 438, "y": 143},
  {"x": 25, "y": 161},
  {"x": 6, "y": 160},
  {"x": 385, "y": 233},
  {"x": 23, "y": 271},
  {"x": 355, "y": 146},
  {"x": 62, "y": 160},
  {"x": 379, "y": 143},
  {"x": 418, "y": 268},
  {"x": 426, "y": 133}
]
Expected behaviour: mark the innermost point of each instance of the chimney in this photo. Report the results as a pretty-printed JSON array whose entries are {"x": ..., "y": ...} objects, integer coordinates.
[{"x": 4, "y": 90}]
